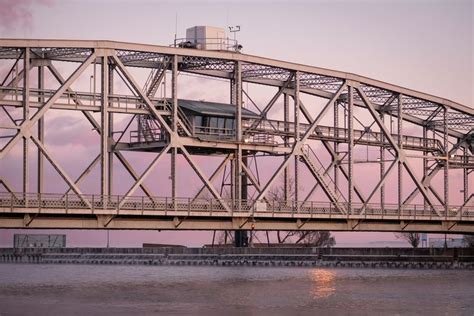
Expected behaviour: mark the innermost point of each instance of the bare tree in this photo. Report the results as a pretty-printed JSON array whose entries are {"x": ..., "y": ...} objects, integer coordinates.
[
  {"x": 313, "y": 238},
  {"x": 316, "y": 239},
  {"x": 412, "y": 238}
]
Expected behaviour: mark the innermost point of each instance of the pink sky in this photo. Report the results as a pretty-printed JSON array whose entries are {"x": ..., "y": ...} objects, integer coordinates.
[{"x": 424, "y": 45}]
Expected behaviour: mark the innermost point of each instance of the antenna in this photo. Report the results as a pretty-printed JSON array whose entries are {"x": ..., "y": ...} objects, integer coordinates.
[{"x": 176, "y": 28}]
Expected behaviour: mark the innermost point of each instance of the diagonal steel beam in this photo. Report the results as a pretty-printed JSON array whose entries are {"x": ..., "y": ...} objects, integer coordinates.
[
  {"x": 96, "y": 126},
  {"x": 379, "y": 184},
  {"x": 297, "y": 145},
  {"x": 203, "y": 178},
  {"x": 214, "y": 175},
  {"x": 26, "y": 125},
  {"x": 14, "y": 81},
  {"x": 12, "y": 68},
  {"x": 83, "y": 174},
  {"x": 400, "y": 154},
  {"x": 7, "y": 186},
  {"x": 277, "y": 173},
  {"x": 59, "y": 169},
  {"x": 264, "y": 112},
  {"x": 140, "y": 93},
  {"x": 427, "y": 180},
  {"x": 333, "y": 154},
  {"x": 252, "y": 178},
  {"x": 326, "y": 189},
  {"x": 144, "y": 175},
  {"x": 316, "y": 185},
  {"x": 318, "y": 119}
]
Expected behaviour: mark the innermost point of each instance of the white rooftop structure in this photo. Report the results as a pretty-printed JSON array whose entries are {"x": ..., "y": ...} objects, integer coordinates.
[{"x": 208, "y": 38}]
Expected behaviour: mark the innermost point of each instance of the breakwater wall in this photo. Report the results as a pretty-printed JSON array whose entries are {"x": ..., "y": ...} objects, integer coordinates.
[{"x": 422, "y": 258}]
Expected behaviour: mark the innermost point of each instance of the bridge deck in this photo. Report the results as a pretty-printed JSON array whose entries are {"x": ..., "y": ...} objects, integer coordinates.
[{"x": 65, "y": 211}]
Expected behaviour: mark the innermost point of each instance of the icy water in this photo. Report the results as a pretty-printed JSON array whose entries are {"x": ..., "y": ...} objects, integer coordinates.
[{"x": 170, "y": 290}]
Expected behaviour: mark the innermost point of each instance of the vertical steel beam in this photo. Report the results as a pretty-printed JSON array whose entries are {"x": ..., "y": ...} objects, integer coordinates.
[
  {"x": 350, "y": 145},
  {"x": 425, "y": 164},
  {"x": 238, "y": 130},
  {"x": 446, "y": 163},
  {"x": 382, "y": 166},
  {"x": 104, "y": 125},
  {"x": 297, "y": 133},
  {"x": 111, "y": 133},
  {"x": 465, "y": 177},
  {"x": 40, "y": 174},
  {"x": 335, "y": 157},
  {"x": 174, "y": 123},
  {"x": 286, "y": 120},
  {"x": 26, "y": 117},
  {"x": 400, "y": 146}
]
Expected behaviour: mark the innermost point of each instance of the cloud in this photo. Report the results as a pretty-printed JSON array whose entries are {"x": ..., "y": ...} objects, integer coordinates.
[{"x": 18, "y": 13}]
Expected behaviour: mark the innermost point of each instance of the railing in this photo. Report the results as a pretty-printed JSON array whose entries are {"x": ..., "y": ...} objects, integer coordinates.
[
  {"x": 465, "y": 161},
  {"x": 13, "y": 202},
  {"x": 214, "y": 133},
  {"x": 148, "y": 135},
  {"x": 86, "y": 98},
  {"x": 339, "y": 134},
  {"x": 208, "y": 44}
]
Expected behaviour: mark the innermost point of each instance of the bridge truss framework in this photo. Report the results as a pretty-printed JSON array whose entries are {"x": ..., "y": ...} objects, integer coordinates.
[{"x": 440, "y": 135}]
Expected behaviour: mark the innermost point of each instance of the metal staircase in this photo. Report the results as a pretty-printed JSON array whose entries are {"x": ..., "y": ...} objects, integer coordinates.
[
  {"x": 147, "y": 125},
  {"x": 316, "y": 167},
  {"x": 184, "y": 126}
]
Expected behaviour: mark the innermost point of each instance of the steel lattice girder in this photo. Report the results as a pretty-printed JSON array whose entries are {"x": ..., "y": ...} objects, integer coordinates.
[{"x": 418, "y": 108}]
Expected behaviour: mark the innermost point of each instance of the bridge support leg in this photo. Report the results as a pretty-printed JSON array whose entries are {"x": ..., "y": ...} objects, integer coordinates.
[
  {"x": 240, "y": 180},
  {"x": 104, "y": 133},
  {"x": 297, "y": 137},
  {"x": 286, "y": 176},
  {"x": 26, "y": 117},
  {"x": 350, "y": 149},
  {"x": 40, "y": 173},
  {"x": 400, "y": 146}
]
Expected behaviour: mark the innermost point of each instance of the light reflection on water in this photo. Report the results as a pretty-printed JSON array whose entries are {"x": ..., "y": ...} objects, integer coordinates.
[
  {"x": 147, "y": 290},
  {"x": 323, "y": 285}
]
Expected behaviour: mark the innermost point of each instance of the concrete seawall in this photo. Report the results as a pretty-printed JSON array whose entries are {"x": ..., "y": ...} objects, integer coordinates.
[{"x": 425, "y": 258}]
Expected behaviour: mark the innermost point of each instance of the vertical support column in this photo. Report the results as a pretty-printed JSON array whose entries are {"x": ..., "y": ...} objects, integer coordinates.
[
  {"x": 382, "y": 166},
  {"x": 286, "y": 175},
  {"x": 232, "y": 161},
  {"x": 465, "y": 177},
  {"x": 336, "y": 145},
  {"x": 446, "y": 164},
  {"x": 297, "y": 135},
  {"x": 400, "y": 145},
  {"x": 26, "y": 117},
  {"x": 350, "y": 145},
  {"x": 425, "y": 162},
  {"x": 40, "y": 179},
  {"x": 111, "y": 133},
  {"x": 104, "y": 133},
  {"x": 240, "y": 182},
  {"x": 174, "y": 124},
  {"x": 238, "y": 130}
]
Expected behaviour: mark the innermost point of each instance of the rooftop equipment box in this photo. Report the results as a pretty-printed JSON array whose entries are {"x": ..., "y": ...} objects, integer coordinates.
[{"x": 207, "y": 37}]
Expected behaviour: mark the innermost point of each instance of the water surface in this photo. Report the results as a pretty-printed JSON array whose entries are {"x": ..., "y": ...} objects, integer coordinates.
[{"x": 145, "y": 290}]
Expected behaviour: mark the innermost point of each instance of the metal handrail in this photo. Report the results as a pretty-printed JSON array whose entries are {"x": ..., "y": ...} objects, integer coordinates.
[
  {"x": 210, "y": 43},
  {"x": 14, "y": 200}
]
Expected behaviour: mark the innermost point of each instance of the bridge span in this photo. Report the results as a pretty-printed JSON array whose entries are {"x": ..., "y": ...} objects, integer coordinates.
[
  {"x": 368, "y": 155},
  {"x": 164, "y": 213}
]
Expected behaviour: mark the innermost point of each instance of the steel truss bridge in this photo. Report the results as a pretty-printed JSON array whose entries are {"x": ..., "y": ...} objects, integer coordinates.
[{"x": 414, "y": 143}]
